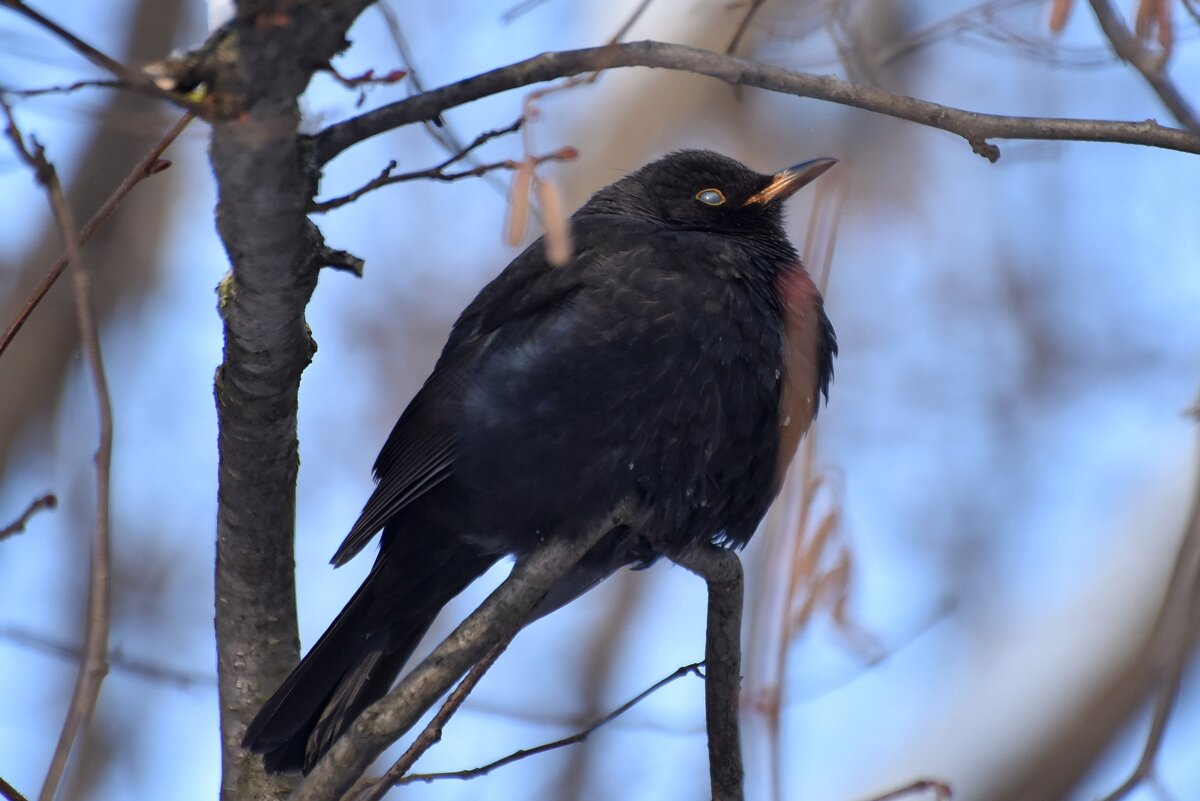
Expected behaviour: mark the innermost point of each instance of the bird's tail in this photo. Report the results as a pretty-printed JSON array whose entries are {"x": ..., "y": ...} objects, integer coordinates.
[{"x": 359, "y": 656}]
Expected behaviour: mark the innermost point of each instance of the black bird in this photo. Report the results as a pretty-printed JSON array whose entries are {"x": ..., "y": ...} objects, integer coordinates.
[{"x": 672, "y": 365}]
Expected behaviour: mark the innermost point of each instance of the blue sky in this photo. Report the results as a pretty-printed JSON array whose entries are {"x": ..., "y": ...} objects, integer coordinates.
[{"x": 1005, "y": 434}]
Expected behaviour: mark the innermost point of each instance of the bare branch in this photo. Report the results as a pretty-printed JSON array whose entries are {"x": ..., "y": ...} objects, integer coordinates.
[
  {"x": 437, "y": 127},
  {"x": 93, "y": 666},
  {"x": 1192, "y": 9},
  {"x": 131, "y": 78},
  {"x": 93, "y": 55},
  {"x": 47, "y": 501},
  {"x": 501, "y": 615},
  {"x": 517, "y": 10},
  {"x": 117, "y": 661},
  {"x": 722, "y": 570},
  {"x": 578, "y": 737},
  {"x": 367, "y": 78},
  {"x": 65, "y": 88},
  {"x": 432, "y": 733},
  {"x": 630, "y": 21},
  {"x": 10, "y": 792},
  {"x": 743, "y": 26},
  {"x": 438, "y": 171},
  {"x": 151, "y": 164},
  {"x": 258, "y": 65},
  {"x": 1149, "y": 63},
  {"x": 974, "y": 127}
]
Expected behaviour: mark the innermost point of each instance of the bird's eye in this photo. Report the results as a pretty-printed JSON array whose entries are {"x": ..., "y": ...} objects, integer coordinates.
[{"x": 710, "y": 197}]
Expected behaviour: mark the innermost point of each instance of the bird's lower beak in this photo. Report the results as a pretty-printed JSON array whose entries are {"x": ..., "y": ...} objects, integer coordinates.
[{"x": 787, "y": 182}]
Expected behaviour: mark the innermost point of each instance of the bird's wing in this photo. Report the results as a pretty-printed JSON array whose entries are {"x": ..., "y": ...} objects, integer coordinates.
[{"x": 419, "y": 453}]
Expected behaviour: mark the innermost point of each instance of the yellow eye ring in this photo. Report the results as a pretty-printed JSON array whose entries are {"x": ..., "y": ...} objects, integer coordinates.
[{"x": 711, "y": 196}]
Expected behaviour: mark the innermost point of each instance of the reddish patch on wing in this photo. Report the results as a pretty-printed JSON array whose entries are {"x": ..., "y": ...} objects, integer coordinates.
[{"x": 800, "y": 392}]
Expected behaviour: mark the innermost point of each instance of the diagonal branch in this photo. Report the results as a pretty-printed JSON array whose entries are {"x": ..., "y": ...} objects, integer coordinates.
[
  {"x": 131, "y": 78},
  {"x": 9, "y": 792},
  {"x": 366, "y": 790},
  {"x": 744, "y": 26},
  {"x": 977, "y": 129},
  {"x": 500, "y": 616},
  {"x": 93, "y": 55},
  {"x": 94, "y": 664},
  {"x": 149, "y": 165},
  {"x": 1149, "y": 63}
]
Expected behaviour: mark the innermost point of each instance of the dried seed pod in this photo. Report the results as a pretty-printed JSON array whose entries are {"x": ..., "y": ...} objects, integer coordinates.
[
  {"x": 1060, "y": 12},
  {"x": 518, "y": 203},
  {"x": 1143, "y": 23},
  {"x": 554, "y": 220},
  {"x": 1166, "y": 30}
]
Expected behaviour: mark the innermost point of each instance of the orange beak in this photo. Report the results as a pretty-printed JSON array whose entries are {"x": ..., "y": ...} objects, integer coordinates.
[{"x": 787, "y": 182}]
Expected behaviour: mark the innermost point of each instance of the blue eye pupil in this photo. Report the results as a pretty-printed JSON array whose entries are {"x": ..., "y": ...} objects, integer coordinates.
[{"x": 711, "y": 196}]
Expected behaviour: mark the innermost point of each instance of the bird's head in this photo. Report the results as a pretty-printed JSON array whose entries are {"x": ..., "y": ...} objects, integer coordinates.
[{"x": 702, "y": 190}]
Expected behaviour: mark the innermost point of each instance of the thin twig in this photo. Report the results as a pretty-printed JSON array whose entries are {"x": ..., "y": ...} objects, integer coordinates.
[
  {"x": 65, "y": 89},
  {"x": 151, "y": 164},
  {"x": 578, "y": 737},
  {"x": 134, "y": 79},
  {"x": 93, "y": 666},
  {"x": 529, "y": 107},
  {"x": 117, "y": 660},
  {"x": 630, "y": 21},
  {"x": 755, "y": 5},
  {"x": 438, "y": 171},
  {"x": 572, "y": 81},
  {"x": 1175, "y": 635},
  {"x": 432, "y": 733},
  {"x": 607, "y": 653},
  {"x": 941, "y": 790},
  {"x": 386, "y": 177},
  {"x": 980, "y": 19},
  {"x": 438, "y": 129},
  {"x": 517, "y": 10},
  {"x": 47, "y": 501},
  {"x": 1150, "y": 64},
  {"x": 504, "y": 612},
  {"x": 1192, "y": 9},
  {"x": 976, "y": 128},
  {"x": 83, "y": 48},
  {"x": 366, "y": 78}
]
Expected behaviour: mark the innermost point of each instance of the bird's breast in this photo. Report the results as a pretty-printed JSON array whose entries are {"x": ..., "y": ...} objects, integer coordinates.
[{"x": 802, "y": 338}]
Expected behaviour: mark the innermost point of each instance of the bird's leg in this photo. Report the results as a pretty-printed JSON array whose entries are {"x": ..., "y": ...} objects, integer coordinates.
[{"x": 722, "y": 570}]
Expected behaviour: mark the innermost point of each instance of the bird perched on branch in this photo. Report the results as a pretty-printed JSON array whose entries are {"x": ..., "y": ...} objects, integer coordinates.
[{"x": 671, "y": 365}]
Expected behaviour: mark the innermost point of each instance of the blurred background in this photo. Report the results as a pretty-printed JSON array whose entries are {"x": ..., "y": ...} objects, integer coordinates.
[{"x": 996, "y": 490}]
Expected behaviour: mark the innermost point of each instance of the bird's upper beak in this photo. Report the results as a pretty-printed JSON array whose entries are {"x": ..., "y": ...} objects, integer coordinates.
[{"x": 786, "y": 182}]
